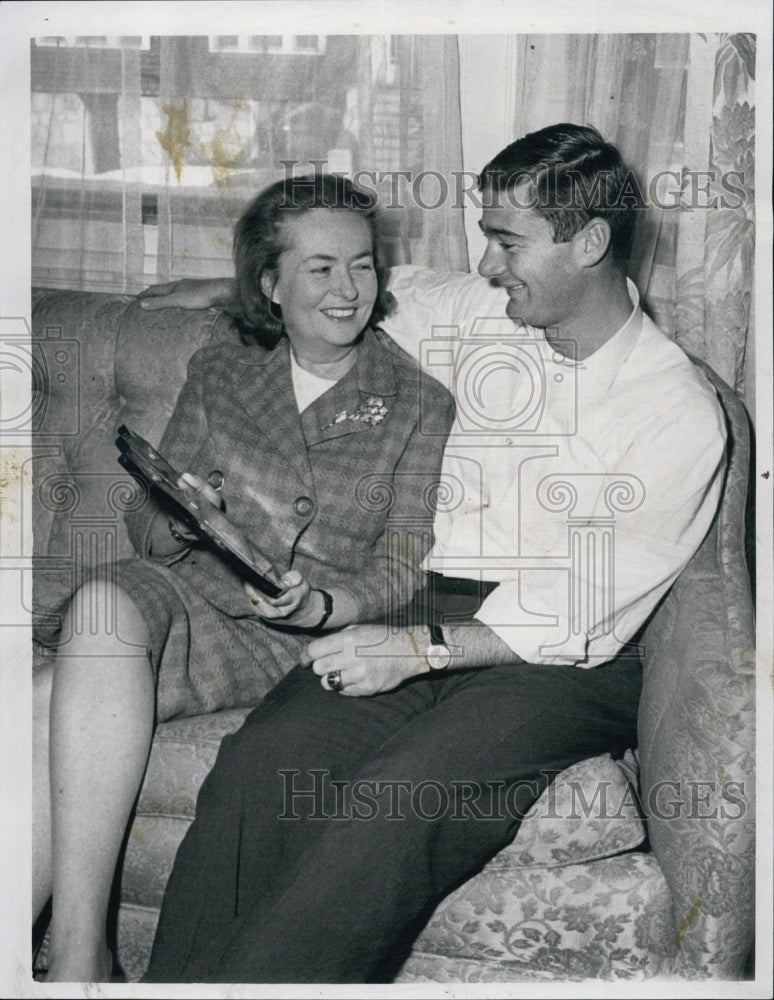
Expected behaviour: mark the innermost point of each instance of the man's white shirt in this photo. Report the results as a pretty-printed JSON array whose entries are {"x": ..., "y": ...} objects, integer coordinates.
[{"x": 582, "y": 488}]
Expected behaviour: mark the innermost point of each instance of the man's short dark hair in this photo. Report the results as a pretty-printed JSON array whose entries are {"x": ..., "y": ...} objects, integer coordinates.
[{"x": 575, "y": 176}]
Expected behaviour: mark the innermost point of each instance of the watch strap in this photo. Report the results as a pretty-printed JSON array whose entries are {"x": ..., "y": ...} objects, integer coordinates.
[
  {"x": 180, "y": 539},
  {"x": 328, "y": 601},
  {"x": 437, "y": 648},
  {"x": 436, "y": 635}
]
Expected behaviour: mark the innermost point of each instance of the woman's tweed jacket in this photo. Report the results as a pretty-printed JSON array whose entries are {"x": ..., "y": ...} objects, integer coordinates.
[{"x": 347, "y": 503}]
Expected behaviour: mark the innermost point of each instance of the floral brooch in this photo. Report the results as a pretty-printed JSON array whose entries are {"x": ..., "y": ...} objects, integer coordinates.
[{"x": 372, "y": 411}]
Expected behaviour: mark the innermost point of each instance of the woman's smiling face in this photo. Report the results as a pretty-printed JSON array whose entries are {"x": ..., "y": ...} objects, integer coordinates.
[{"x": 326, "y": 282}]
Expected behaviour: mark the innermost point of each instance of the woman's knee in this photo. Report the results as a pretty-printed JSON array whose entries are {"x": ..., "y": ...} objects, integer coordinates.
[
  {"x": 101, "y": 598},
  {"x": 102, "y": 611}
]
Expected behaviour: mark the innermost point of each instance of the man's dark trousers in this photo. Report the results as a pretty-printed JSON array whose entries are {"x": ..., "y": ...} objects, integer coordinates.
[{"x": 331, "y": 826}]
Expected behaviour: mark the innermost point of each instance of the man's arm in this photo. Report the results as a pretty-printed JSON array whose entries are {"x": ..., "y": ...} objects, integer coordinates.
[
  {"x": 372, "y": 660},
  {"x": 188, "y": 293},
  {"x": 673, "y": 464},
  {"x": 425, "y": 299},
  {"x": 476, "y": 645}
]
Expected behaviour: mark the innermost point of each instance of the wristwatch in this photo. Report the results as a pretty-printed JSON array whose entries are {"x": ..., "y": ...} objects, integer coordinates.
[{"x": 438, "y": 654}]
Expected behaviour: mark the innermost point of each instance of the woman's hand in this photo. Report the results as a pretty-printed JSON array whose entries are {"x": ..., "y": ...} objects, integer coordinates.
[
  {"x": 298, "y": 605},
  {"x": 189, "y": 482},
  {"x": 188, "y": 293}
]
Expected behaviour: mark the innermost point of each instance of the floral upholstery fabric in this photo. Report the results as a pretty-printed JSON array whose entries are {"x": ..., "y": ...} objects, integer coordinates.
[
  {"x": 576, "y": 895},
  {"x": 609, "y": 919},
  {"x": 605, "y": 920},
  {"x": 697, "y": 735},
  {"x": 80, "y": 491},
  {"x": 589, "y": 811}
]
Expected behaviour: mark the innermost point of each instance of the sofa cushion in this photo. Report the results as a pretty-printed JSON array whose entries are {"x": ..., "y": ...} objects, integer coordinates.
[
  {"x": 77, "y": 500},
  {"x": 609, "y": 919},
  {"x": 170, "y": 337},
  {"x": 184, "y": 751},
  {"x": 589, "y": 811},
  {"x": 99, "y": 361}
]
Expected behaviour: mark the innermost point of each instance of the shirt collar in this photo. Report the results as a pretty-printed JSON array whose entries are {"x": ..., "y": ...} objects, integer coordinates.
[{"x": 601, "y": 368}]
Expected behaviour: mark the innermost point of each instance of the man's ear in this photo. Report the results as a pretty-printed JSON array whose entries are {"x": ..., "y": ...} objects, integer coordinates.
[
  {"x": 268, "y": 283},
  {"x": 593, "y": 242}
]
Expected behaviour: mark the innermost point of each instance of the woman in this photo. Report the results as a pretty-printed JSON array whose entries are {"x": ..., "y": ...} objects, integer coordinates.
[{"x": 312, "y": 427}]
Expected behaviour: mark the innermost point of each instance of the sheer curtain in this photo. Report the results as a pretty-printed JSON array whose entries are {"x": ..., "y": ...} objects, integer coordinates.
[
  {"x": 682, "y": 108},
  {"x": 145, "y": 149}
]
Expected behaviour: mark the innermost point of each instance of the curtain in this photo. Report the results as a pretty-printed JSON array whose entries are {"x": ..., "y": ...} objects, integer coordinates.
[
  {"x": 715, "y": 251},
  {"x": 145, "y": 149},
  {"x": 680, "y": 108}
]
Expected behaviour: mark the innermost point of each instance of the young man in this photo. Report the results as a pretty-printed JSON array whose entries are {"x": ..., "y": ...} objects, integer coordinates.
[{"x": 583, "y": 470}]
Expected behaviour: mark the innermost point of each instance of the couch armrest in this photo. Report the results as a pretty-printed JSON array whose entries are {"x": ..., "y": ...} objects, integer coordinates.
[{"x": 696, "y": 734}]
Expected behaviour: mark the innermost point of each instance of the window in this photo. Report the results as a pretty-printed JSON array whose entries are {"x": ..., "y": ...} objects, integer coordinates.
[
  {"x": 308, "y": 45},
  {"x": 145, "y": 150},
  {"x": 95, "y": 42}
]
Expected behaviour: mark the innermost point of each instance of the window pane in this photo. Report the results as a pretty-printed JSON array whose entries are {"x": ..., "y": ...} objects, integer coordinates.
[{"x": 180, "y": 169}]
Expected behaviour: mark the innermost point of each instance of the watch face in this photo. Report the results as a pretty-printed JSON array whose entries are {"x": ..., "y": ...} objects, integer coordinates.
[{"x": 438, "y": 657}]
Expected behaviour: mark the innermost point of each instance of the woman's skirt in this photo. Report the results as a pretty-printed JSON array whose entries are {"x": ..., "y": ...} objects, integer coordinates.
[{"x": 203, "y": 659}]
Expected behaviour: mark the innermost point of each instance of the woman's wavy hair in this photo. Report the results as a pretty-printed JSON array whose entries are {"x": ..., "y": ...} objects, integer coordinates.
[{"x": 260, "y": 239}]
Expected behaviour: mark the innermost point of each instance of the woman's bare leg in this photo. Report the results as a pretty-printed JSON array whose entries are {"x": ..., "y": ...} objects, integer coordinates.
[{"x": 101, "y": 725}]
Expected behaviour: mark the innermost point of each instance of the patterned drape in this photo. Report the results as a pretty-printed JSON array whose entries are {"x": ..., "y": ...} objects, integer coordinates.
[{"x": 715, "y": 250}]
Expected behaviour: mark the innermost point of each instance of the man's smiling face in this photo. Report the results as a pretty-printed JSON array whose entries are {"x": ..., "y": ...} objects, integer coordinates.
[{"x": 544, "y": 279}]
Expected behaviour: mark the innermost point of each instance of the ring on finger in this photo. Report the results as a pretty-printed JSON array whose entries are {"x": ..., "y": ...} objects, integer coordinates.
[{"x": 335, "y": 682}]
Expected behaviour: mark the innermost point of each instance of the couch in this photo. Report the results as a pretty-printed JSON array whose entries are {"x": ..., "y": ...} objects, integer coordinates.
[{"x": 623, "y": 870}]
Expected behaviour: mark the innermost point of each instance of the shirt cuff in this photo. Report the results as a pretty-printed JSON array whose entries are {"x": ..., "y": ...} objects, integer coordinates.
[{"x": 535, "y": 633}]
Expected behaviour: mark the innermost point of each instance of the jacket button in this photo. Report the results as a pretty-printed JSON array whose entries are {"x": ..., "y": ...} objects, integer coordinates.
[{"x": 303, "y": 506}]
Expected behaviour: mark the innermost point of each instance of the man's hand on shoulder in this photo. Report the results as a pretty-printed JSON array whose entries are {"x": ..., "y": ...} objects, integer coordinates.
[{"x": 188, "y": 293}]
